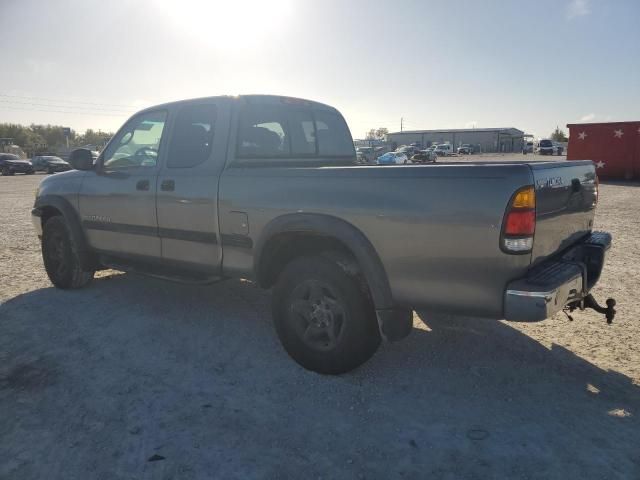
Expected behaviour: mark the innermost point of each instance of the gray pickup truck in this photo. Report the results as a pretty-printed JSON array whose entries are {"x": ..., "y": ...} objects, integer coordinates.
[{"x": 267, "y": 188}]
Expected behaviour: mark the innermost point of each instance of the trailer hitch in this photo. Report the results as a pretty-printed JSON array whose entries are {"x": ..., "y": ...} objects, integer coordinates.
[{"x": 589, "y": 302}]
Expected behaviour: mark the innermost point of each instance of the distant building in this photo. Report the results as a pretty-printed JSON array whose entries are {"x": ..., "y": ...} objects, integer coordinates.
[{"x": 482, "y": 139}]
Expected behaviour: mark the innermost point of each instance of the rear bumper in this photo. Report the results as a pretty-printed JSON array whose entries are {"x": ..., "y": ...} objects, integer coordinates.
[{"x": 548, "y": 287}]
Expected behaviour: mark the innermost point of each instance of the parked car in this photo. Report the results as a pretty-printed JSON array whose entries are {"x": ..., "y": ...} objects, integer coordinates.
[
  {"x": 365, "y": 154},
  {"x": 392, "y": 158},
  {"x": 424, "y": 156},
  {"x": 10, "y": 164},
  {"x": 49, "y": 164},
  {"x": 443, "y": 150},
  {"x": 408, "y": 150},
  {"x": 465, "y": 149},
  {"x": 545, "y": 147},
  {"x": 349, "y": 252},
  {"x": 527, "y": 147}
]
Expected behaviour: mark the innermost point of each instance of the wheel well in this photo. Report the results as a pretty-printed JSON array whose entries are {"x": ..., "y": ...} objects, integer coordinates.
[
  {"x": 47, "y": 213},
  {"x": 284, "y": 247}
]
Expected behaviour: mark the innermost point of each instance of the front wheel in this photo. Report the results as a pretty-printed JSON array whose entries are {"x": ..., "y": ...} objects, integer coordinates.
[
  {"x": 323, "y": 315},
  {"x": 60, "y": 256},
  {"x": 6, "y": 171}
]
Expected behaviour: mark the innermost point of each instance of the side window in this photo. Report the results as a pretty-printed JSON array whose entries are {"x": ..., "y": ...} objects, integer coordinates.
[
  {"x": 192, "y": 137},
  {"x": 137, "y": 143},
  {"x": 334, "y": 139},
  {"x": 301, "y": 132},
  {"x": 261, "y": 133}
]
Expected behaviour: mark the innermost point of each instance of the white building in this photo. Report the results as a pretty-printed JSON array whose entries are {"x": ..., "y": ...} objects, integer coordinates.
[{"x": 482, "y": 139}]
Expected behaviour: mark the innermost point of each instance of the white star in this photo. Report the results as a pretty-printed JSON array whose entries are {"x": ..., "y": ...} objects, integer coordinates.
[
  {"x": 638, "y": 129},
  {"x": 600, "y": 164},
  {"x": 618, "y": 133},
  {"x": 582, "y": 135}
]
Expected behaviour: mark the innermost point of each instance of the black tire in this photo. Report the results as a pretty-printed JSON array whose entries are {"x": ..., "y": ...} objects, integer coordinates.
[
  {"x": 60, "y": 256},
  {"x": 49, "y": 171},
  {"x": 342, "y": 306},
  {"x": 5, "y": 171},
  {"x": 30, "y": 172}
]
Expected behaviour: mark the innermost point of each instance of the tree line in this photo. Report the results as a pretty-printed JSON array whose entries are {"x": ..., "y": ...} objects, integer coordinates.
[{"x": 50, "y": 138}]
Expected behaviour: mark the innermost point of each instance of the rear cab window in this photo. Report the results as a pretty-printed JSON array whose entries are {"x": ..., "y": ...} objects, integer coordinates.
[{"x": 292, "y": 134}]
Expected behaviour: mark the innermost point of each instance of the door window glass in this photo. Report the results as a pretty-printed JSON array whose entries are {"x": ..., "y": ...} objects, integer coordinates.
[
  {"x": 192, "y": 137},
  {"x": 138, "y": 143}
]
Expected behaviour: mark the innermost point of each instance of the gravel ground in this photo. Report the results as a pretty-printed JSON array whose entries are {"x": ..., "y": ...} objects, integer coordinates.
[{"x": 139, "y": 378}]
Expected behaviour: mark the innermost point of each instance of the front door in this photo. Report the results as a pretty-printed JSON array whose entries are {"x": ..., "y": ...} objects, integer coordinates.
[
  {"x": 117, "y": 201},
  {"x": 187, "y": 199}
]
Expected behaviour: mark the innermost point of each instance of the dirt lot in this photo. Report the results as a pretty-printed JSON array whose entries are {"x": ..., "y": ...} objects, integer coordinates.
[{"x": 99, "y": 383}]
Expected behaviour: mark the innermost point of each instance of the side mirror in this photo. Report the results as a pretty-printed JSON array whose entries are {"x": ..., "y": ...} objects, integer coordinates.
[{"x": 81, "y": 159}]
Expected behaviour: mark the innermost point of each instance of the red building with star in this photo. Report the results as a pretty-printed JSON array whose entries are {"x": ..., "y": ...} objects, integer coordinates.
[{"x": 614, "y": 147}]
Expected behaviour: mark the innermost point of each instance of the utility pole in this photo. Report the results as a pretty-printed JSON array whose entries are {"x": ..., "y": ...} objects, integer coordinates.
[{"x": 401, "y": 122}]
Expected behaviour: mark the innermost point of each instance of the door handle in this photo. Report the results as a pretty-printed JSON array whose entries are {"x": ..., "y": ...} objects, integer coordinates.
[
  {"x": 142, "y": 185},
  {"x": 168, "y": 186}
]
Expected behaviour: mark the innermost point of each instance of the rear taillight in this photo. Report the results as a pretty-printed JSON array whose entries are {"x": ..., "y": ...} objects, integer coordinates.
[{"x": 519, "y": 223}]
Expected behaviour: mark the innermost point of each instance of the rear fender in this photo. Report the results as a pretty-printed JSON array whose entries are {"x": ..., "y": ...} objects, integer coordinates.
[{"x": 395, "y": 323}]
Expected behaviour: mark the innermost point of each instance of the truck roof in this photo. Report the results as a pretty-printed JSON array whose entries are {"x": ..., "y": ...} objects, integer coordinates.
[{"x": 252, "y": 98}]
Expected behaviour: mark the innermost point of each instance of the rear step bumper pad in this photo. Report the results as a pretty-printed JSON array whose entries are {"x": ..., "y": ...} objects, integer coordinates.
[{"x": 548, "y": 287}]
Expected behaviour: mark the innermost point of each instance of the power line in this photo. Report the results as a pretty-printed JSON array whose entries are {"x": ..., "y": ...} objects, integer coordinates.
[
  {"x": 66, "y": 101},
  {"x": 74, "y": 107},
  {"x": 97, "y": 114}
]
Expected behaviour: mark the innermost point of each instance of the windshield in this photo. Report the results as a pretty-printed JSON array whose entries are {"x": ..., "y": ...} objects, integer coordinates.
[
  {"x": 9, "y": 156},
  {"x": 545, "y": 143}
]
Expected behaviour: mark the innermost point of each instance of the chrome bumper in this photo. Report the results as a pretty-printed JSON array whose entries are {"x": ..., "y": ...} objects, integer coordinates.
[{"x": 548, "y": 287}]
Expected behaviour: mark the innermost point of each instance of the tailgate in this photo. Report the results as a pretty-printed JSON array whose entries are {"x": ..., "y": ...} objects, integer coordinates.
[{"x": 565, "y": 205}]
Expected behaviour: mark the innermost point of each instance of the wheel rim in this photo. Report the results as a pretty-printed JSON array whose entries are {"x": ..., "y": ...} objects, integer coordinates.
[
  {"x": 54, "y": 254},
  {"x": 317, "y": 315}
]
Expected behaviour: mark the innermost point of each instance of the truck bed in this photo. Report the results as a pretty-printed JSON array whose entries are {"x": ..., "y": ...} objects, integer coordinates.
[{"x": 436, "y": 227}]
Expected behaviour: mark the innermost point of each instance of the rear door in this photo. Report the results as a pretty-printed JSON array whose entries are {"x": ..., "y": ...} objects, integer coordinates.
[
  {"x": 187, "y": 201},
  {"x": 565, "y": 204}
]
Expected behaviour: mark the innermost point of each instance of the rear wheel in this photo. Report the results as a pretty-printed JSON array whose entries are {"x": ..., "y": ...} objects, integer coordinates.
[
  {"x": 6, "y": 171},
  {"x": 323, "y": 316},
  {"x": 60, "y": 256}
]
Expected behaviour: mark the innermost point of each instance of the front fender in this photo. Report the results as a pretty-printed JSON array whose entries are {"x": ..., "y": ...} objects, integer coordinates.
[{"x": 43, "y": 206}]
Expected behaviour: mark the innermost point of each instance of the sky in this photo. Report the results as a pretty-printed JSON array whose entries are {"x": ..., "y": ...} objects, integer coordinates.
[{"x": 532, "y": 65}]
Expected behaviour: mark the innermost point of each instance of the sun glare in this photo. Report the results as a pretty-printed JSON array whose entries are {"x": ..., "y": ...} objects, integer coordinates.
[{"x": 228, "y": 26}]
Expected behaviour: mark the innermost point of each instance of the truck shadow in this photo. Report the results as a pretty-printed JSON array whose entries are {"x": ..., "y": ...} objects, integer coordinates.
[{"x": 136, "y": 367}]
